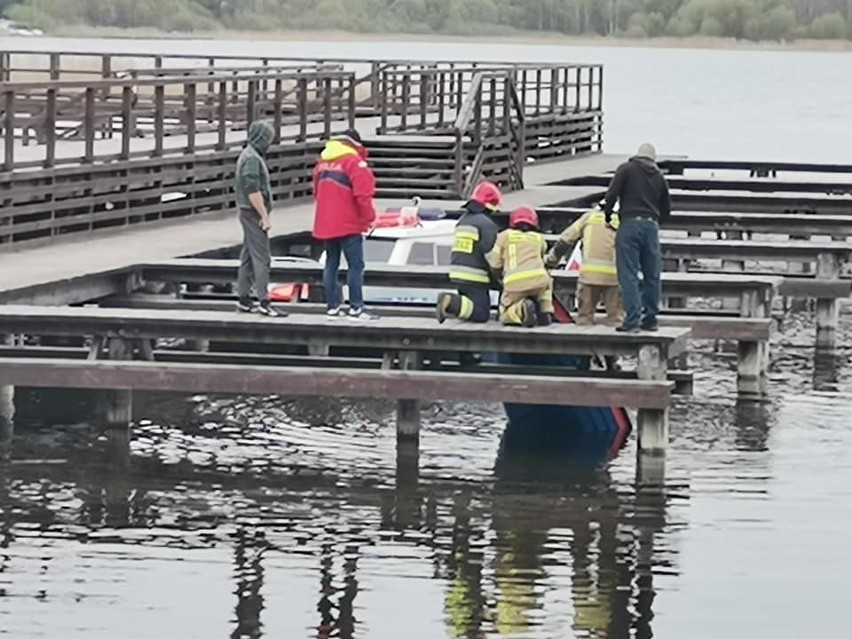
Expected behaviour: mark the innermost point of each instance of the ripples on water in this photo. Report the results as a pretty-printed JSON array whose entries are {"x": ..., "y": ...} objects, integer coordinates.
[{"x": 262, "y": 517}]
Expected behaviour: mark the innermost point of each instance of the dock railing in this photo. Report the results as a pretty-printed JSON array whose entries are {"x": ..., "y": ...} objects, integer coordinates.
[{"x": 180, "y": 115}]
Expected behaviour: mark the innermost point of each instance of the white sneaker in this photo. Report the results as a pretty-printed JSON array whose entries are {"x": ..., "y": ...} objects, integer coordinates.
[
  {"x": 361, "y": 314},
  {"x": 334, "y": 312}
]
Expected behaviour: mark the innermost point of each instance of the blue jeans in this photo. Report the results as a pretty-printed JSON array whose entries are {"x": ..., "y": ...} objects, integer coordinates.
[
  {"x": 352, "y": 247},
  {"x": 637, "y": 247}
]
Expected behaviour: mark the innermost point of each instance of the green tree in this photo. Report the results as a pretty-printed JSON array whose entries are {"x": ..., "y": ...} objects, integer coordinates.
[
  {"x": 776, "y": 24},
  {"x": 829, "y": 26}
]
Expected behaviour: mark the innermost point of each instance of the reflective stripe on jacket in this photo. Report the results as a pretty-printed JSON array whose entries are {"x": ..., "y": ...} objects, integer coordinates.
[
  {"x": 598, "y": 267},
  {"x": 475, "y": 234},
  {"x": 520, "y": 256}
]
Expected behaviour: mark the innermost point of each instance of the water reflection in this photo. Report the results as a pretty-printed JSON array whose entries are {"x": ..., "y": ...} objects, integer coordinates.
[
  {"x": 827, "y": 367},
  {"x": 538, "y": 543}
]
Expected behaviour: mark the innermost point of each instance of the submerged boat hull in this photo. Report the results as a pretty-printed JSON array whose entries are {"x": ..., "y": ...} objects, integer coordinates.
[{"x": 599, "y": 431}]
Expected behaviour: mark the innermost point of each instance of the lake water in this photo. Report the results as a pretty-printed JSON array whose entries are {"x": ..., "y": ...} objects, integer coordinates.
[{"x": 260, "y": 517}]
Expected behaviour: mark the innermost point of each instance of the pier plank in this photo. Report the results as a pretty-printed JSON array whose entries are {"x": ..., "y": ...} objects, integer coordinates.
[
  {"x": 414, "y": 334},
  {"x": 324, "y": 382}
]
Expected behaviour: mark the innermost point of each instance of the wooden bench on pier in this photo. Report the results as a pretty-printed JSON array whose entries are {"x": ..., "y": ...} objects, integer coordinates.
[{"x": 406, "y": 338}]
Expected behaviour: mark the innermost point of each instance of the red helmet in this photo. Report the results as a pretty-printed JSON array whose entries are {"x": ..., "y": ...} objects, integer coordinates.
[
  {"x": 523, "y": 215},
  {"x": 487, "y": 194}
]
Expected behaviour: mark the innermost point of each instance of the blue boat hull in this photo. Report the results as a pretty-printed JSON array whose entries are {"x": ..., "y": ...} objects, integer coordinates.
[{"x": 595, "y": 431}]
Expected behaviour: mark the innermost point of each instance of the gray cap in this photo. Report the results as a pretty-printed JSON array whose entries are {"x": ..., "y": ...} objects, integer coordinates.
[{"x": 647, "y": 151}]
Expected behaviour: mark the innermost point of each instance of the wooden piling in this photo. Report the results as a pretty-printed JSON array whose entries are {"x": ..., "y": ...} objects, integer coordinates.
[
  {"x": 117, "y": 404},
  {"x": 828, "y": 268},
  {"x": 734, "y": 266},
  {"x": 753, "y": 356},
  {"x": 653, "y": 423},
  {"x": 408, "y": 410},
  {"x": 7, "y": 399},
  {"x": 408, "y": 430}
]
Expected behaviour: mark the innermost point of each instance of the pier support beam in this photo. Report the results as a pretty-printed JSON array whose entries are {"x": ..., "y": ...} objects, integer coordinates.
[
  {"x": 7, "y": 401},
  {"x": 734, "y": 266},
  {"x": 117, "y": 404},
  {"x": 753, "y": 357},
  {"x": 828, "y": 268},
  {"x": 408, "y": 430},
  {"x": 653, "y": 423}
]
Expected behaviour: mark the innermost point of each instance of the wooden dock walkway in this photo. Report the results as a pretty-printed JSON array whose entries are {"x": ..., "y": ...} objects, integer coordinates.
[
  {"x": 408, "y": 339},
  {"x": 28, "y": 268}
]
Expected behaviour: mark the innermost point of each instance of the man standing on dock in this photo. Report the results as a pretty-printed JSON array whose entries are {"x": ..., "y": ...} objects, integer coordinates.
[
  {"x": 344, "y": 188},
  {"x": 643, "y": 194},
  {"x": 254, "y": 200}
]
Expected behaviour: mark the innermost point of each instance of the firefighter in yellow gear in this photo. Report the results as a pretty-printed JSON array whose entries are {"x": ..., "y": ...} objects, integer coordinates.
[
  {"x": 598, "y": 277},
  {"x": 518, "y": 254}
]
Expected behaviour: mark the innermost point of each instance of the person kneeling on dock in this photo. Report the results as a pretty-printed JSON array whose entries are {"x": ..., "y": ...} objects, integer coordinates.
[
  {"x": 518, "y": 255},
  {"x": 475, "y": 235},
  {"x": 598, "y": 276}
]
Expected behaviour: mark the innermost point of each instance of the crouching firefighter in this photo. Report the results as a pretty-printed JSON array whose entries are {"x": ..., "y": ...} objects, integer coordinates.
[
  {"x": 474, "y": 237},
  {"x": 518, "y": 254}
]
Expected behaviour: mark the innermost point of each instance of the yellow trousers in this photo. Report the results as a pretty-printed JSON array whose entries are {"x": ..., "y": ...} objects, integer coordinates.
[
  {"x": 512, "y": 312},
  {"x": 588, "y": 297}
]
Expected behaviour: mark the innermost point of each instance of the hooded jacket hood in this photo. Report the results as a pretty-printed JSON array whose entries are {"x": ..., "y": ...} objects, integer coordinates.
[
  {"x": 338, "y": 148},
  {"x": 260, "y": 135}
]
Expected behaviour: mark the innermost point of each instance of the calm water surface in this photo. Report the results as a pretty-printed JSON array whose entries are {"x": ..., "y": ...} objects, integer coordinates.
[{"x": 263, "y": 517}]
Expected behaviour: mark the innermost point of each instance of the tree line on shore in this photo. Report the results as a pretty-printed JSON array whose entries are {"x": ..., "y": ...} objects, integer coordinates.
[{"x": 757, "y": 20}]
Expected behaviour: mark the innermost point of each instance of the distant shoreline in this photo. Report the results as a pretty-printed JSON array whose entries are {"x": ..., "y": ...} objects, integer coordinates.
[{"x": 692, "y": 42}]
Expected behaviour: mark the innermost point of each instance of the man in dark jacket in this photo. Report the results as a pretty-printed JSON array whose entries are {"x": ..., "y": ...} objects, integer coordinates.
[
  {"x": 344, "y": 188},
  {"x": 254, "y": 201},
  {"x": 470, "y": 271},
  {"x": 643, "y": 194}
]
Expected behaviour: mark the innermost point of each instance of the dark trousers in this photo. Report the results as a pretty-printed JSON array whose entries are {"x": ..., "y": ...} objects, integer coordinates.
[
  {"x": 255, "y": 258},
  {"x": 352, "y": 248},
  {"x": 472, "y": 303},
  {"x": 637, "y": 248}
]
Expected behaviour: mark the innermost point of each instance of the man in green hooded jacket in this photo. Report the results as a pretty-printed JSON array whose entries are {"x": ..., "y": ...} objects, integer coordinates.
[{"x": 254, "y": 201}]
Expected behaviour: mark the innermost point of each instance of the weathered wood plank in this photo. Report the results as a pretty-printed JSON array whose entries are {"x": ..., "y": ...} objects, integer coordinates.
[
  {"x": 299, "y": 381},
  {"x": 702, "y": 327},
  {"x": 389, "y": 333},
  {"x": 210, "y": 271},
  {"x": 683, "y": 379}
]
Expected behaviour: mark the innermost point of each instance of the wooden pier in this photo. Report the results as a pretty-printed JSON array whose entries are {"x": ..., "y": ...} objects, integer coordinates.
[{"x": 116, "y": 178}]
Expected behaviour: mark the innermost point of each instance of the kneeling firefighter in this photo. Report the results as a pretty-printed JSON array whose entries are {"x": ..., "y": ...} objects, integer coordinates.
[
  {"x": 475, "y": 235},
  {"x": 518, "y": 255}
]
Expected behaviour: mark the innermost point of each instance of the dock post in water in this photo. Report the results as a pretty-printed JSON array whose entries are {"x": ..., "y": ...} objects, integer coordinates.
[
  {"x": 734, "y": 266},
  {"x": 753, "y": 357},
  {"x": 653, "y": 422},
  {"x": 117, "y": 406},
  {"x": 408, "y": 429},
  {"x": 7, "y": 400},
  {"x": 828, "y": 268}
]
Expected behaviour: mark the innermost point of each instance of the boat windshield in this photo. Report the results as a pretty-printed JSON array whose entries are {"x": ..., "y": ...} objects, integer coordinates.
[{"x": 377, "y": 250}]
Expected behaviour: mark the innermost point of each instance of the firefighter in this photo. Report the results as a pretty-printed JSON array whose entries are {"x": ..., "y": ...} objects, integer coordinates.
[
  {"x": 598, "y": 277},
  {"x": 518, "y": 255},
  {"x": 474, "y": 237}
]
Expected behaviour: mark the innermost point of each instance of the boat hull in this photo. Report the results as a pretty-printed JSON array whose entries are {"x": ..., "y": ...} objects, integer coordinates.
[{"x": 596, "y": 431}]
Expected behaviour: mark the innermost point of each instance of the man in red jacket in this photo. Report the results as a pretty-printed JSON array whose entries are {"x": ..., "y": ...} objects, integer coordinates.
[{"x": 344, "y": 187}]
